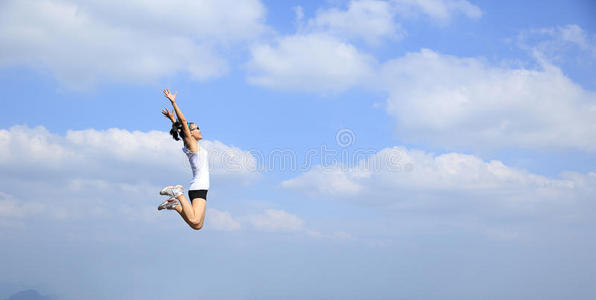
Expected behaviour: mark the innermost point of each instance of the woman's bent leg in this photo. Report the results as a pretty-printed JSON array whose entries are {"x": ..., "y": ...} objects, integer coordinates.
[
  {"x": 199, "y": 205},
  {"x": 178, "y": 208},
  {"x": 193, "y": 214}
]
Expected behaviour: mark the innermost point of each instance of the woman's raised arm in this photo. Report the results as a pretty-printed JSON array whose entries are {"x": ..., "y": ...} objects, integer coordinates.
[
  {"x": 168, "y": 114},
  {"x": 189, "y": 141},
  {"x": 181, "y": 118}
]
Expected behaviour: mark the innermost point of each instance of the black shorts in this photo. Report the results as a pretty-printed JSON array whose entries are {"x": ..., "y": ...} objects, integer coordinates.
[{"x": 197, "y": 194}]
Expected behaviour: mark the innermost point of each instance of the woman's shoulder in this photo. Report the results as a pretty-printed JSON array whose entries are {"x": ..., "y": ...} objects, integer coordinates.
[{"x": 191, "y": 148}]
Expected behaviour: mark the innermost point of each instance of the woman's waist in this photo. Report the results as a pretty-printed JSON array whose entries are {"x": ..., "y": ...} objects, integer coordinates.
[{"x": 200, "y": 176}]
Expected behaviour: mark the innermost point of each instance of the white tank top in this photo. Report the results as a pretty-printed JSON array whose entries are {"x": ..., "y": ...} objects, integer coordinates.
[{"x": 199, "y": 163}]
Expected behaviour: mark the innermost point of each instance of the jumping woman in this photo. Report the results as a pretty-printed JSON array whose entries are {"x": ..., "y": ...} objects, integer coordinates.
[{"x": 192, "y": 212}]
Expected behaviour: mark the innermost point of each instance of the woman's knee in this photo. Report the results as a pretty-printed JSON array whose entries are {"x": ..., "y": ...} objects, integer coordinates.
[{"x": 196, "y": 225}]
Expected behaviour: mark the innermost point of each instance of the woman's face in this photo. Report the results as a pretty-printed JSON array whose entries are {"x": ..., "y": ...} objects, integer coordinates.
[{"x": 195, "y": 131}]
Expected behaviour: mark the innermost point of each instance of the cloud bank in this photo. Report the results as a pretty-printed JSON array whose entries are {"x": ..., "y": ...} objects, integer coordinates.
[
  {"x": 86, "y": 42},
  {"x": 436, "y": 98},
  {"x": 112, "y": 168},
  {"x": 407, "y": 179},
  {"x": 322, "y": 56},
  {"x": 447, "y": 100},
  {"x": 313, "y": 62}
]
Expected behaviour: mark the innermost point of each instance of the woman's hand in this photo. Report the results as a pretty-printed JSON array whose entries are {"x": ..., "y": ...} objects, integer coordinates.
[
  {"x": 170, "y": 96},
  {"x": 168, "y": 114}
]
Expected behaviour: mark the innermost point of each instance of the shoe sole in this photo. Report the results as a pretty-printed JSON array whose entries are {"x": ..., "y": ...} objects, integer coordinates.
[
  {"x": 164, "y": 190},
  {"x": 164, "y": 205}
]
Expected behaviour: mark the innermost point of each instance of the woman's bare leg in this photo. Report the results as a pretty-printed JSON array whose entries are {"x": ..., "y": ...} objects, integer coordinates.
[
  {"x": 199, "y": 205},
  {"x": 194, "y": 214},
  {"x": 180, "y": 210}
]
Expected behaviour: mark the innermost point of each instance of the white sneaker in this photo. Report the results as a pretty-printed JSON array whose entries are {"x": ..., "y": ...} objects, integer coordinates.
[
  {"x": 172, "y": 191},
  {"x": 168, "y": 204}
]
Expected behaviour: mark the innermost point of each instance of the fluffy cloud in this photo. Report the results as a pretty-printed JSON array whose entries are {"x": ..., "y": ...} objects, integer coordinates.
[
  {"x": 437, "y": 99},
  {"x": 222, "y": 220},
  {"x": 560, "y": 43},
  {"x": 575, "y": 35},
  {"x": 447, "y": 100},
  {"x": 95, "y": 151},
  {"x": 368, "y": 20},
  {"x": 328, "y": 181},
  {"x": 442, "y": 99},
  {"x": 110, "y": 169},
  {"x": 421, "y": 193},
  {"x": 442, "y": 10},
  {"x": 137, "y": 41},
  {"x": 398, "y": 177},
  {"x": 11, "y": 207},
  {"x": 373, "y": 20},
  {"x": 557, "y": 36},
  {"x": 313, "y": 62},
  {"x": 103, "y": 174},
  {"x": 270, "y": 220},
  {"x": 321, "y": 56},
  {"x": 276, "y": 220}
]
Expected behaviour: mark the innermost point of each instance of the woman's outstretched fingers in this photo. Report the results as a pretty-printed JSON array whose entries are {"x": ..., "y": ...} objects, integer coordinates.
[{"x": 170, "y": 96}]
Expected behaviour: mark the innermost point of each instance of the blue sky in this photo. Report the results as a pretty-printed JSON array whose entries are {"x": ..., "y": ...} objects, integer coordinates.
[{"x": 399, "y": 149}]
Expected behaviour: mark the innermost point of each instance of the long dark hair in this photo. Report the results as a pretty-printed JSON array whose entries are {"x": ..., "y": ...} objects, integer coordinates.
[{"x": 177, "y": 130}]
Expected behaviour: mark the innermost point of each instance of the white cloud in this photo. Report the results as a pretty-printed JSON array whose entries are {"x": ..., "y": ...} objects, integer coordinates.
[
  {"x": 221, "y": 220},
  {"x": 86, "y": 42},
  {"x": 313, "y": 62},
  {"x": 95, "y": 151},
  {"x": 374, "y": 20},
  {"x": 115, "y": 173},
  {"x": 447, "y": 100},
  {"x": 299, "y": 14},
  {"x": 104, "y": 174},
  {"x": 11, "y": 207},
  {"x": 441, "y": 99},
  {"x": 576, "y": 35},
  {"x": 230, "y": 161},
  {"x": 269, "y": 220},
  {"x": 368, "y": 20},
  {"x": 327, "y": 181},
  {"x": 321, "y": 57},
  {"x": 112, "y": 169},
  {"x": 441, "y": 10},
  {"x": 557, "y": 43},
  {"x": 276, "y": 220},
  {"x": 411, "y": 178},
  {"x": 421, "y": 193}
]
